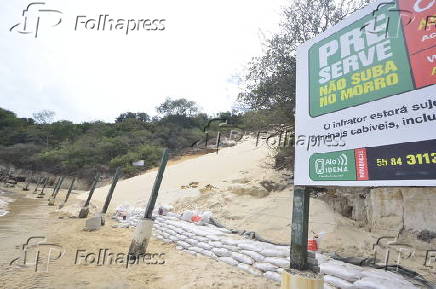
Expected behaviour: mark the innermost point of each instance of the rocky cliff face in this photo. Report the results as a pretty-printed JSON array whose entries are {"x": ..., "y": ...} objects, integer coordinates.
[{"x": 387, "y": 209}]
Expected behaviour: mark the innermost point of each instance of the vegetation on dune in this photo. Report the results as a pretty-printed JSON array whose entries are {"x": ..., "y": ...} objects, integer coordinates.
[{"x": 62, "y": 147}]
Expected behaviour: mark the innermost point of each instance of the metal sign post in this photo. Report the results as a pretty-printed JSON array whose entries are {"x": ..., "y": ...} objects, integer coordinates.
[{"x": 300, "y": 228}]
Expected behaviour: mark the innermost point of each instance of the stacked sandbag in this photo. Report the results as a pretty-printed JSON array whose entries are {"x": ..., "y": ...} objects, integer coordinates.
[
  {"x": 347, "y": 276},
  {"x": 260, "y": 258}
]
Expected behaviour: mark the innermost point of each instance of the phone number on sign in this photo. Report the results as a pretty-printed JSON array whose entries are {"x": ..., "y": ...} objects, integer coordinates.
[{"x": 411, "y": 160}]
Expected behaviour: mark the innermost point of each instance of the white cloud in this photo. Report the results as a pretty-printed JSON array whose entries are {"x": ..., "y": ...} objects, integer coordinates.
[{"x": 98, "y": 75}]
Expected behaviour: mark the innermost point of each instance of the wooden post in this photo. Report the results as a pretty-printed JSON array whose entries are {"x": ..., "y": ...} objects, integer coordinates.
[
  {"x": 38, "y": 182},
  {"x": 143, "y": 230},
  {"x": 110, "y": 193},
  {"x": 61, "y": 181},
  {"x": 85, "y": 209},
  {"x": 55, "y": 185},
  {"x": 28, "y": 179},
  {"x": 300, "y": 228},
  {"x": 51, "y": 200},
  {"x": 7, "y": 176},
  {"x": 70, "y": 189},
  {"x": 94, "y": 223},
  {"x": 41, "y": 195},
  {"x": 156, "y": 185}
]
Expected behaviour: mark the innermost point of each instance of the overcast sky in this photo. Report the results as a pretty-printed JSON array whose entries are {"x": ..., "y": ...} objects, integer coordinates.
[{"x": 87, "y": 75}]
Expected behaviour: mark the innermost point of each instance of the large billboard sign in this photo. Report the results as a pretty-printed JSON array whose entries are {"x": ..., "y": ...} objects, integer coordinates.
[{"x": 366, "y": 99}]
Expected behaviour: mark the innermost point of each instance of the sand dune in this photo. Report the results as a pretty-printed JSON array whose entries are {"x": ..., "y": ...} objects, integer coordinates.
[{"x": 230, "y": 163}]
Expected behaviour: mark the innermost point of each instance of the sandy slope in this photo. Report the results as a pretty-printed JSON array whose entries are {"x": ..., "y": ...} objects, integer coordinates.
[
  {"x": 211, "y": 168},
  {"x": 238, "y": 200}
]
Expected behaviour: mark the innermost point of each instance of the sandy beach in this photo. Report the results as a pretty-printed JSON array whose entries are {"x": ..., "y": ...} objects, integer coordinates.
[{"x": 236, "y": 197}]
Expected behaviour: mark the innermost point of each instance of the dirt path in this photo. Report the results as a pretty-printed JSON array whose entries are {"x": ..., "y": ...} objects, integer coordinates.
[
  {"x": 28, "y": 217},
  {"x": 78, "y": 267}
]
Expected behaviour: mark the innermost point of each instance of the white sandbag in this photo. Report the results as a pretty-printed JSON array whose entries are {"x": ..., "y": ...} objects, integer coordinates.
[
  {"x": 242, "y": 258},
  {"x": 216, "y": 244},
  {"x": 273, "y": 252},
  {"x": 228, "y": 260},
  {"x": 205, "y": 217},
  {"x": 193, "y": 242},
  {"x": 167, "y": 240},
  {"x": 182, "y": 237},
  {"x": 265, "y": 267},
  {"x": 338, "y": 283},
  {"x": 204, "y": 246},
  {"x": 187, "y": 234},
  {"x": 353, "y": 267},
  {"x": 171, "y": 232},
  {"x": 250, "y": 247},
  {"x": 249, "y": 269},
  {"x": 174, "y": 215},
  {"x": 179, "y": 248},
  {"x": 201, "y": 239},
  {"x": 160, "y": 219},
  {"x": 337, "y": 270},
  {"x": 375, "y": 273},
  {"x": 273, "y": 276},
  {"x": 178, "y": 230},
  {"x": 231, "y": 248},
  {"x": 187, "y": 216},
  {"x": 279, "y": 262},
  {"x": 209, "y": 254},
  {"x": 164, "y": 209},
  {"x": 230, "y": 242},
  {"x": 196, "y": 249},
  {"x": 254, "y": 255},
  {"x": 378, "y": 283},
  {"x": 327, "y": 286},
  {"x": 163, "y": 226},
  {"x": 173, "y": 238},
  {"x": 221, "y": 252},
  {"x": 321, "y": 258},
  {"x": 213, "y": 237},
  {"x": 183, "y": 244}
]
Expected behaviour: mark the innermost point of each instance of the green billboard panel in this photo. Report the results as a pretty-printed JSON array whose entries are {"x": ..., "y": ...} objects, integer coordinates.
[{"x": 362, "y": 62}]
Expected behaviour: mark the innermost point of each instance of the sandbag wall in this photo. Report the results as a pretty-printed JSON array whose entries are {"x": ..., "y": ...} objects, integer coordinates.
[
  {"x": 260, "y": 258},
  {"x": 255, "y": 257}
]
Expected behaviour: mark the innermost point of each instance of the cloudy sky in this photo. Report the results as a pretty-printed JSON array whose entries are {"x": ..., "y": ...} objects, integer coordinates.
[{"x": 86, "y": 75}]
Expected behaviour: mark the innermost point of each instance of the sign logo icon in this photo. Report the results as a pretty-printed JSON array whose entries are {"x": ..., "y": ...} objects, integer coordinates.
[
  {"x": 333, "y": 164},
  {"x": 36, "y": 15}
]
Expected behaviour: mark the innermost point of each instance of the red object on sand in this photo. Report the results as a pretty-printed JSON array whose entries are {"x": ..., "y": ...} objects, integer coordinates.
[
  {"x": 312, "y": 245},
  {"x": 196, "y": 219}
]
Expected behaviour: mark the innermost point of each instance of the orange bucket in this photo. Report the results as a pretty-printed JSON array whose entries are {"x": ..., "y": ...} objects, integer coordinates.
[{"x": 312, "y": 245}]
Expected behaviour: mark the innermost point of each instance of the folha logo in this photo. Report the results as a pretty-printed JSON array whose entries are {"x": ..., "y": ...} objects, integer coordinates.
[{"x": 36, "y": 16}]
